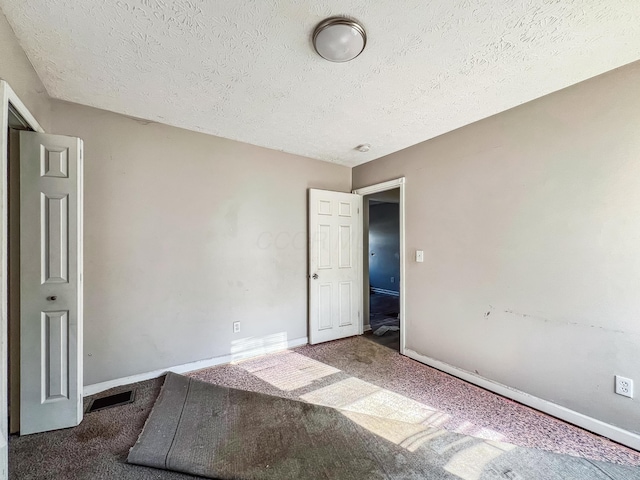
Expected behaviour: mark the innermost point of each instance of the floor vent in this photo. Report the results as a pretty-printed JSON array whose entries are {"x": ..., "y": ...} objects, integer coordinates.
[{"x": 114, "y": 400}]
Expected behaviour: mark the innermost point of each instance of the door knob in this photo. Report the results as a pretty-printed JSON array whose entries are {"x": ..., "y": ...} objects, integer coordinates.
[
  {"x": 315, "y": 276},
  {"x": 52, "y": 298}
]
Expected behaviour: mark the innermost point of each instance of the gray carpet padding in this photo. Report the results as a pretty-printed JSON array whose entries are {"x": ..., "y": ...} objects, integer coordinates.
[{"x": 217, "y": 432}]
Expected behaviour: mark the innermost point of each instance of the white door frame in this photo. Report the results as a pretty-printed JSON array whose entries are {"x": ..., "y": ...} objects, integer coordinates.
[
  {"x": 7, "y": 97},
  {"x": 382, "y": 187}
]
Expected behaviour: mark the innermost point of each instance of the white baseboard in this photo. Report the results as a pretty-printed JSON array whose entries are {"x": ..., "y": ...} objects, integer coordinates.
[
  {"x": 385, "y": 292},
  {"x": 617, "y": 434},
  {"x": 184, "y": 368},
  {"x": 367, "y": 327}
]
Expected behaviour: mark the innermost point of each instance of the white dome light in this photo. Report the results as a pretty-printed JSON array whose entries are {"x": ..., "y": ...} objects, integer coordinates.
[{"x": 339, "y": 39}]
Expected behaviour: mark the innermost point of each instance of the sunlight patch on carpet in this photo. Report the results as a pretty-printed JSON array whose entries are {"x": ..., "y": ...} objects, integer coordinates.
[
  {"x": 288, "y": 371},
  {"x": 470, "y": 463},
  {"x": 359, "y": 396}
]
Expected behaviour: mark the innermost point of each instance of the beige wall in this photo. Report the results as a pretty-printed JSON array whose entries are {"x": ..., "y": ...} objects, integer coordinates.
[
  {"x": 16, "y": 69},
  {"x": 530, "y": 222},
  {"x": 186, "y": 233}
]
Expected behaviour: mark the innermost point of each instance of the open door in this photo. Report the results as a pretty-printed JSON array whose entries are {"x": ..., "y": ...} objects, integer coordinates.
[
  {"x": 335, "y": 265},
  {"x": 51, "y": 282}
]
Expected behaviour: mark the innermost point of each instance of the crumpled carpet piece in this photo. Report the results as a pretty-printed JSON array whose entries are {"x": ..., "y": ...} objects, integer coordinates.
[
  {"x": 385, "y": 328},
  {"x": 223, "y": 433}
]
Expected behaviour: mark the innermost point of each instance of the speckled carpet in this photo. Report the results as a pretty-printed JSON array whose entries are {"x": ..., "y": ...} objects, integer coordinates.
[
  {"x": 223, "y": 433},
  {"x": 354, "y": 373}
]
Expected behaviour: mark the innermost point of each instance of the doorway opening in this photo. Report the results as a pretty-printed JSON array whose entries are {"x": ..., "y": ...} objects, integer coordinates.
[
  {"x": 383, "y": 266},
  {"x": 383, "y": 254}
]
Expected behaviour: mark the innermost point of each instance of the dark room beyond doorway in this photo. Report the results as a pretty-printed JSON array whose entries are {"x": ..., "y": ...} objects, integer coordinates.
[{"x": 384, "y": 268}]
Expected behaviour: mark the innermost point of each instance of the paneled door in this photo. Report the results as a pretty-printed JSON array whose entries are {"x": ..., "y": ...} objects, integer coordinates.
[
  {"x": 51, "y": 282},
  {"x": 335, "y": 265}
]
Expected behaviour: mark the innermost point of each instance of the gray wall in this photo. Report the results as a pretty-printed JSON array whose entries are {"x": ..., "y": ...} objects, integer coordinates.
[
  {"x": 384, "y": 246},
  {"x": 16, "y": 69},
  {"x": 186, "y": 233},
  {"x": 530, "y": 223}
]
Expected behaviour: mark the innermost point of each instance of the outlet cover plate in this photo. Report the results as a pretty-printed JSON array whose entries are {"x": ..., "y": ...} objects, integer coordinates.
[{"x": 624, "y": 386}]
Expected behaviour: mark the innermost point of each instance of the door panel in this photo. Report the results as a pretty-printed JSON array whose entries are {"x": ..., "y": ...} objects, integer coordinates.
[
  {"x": 55, "y": 240},
  {"x": 50, "y": 282},
  {"x": 55, "y": 335},
  {"x": 335, "y": 276}
]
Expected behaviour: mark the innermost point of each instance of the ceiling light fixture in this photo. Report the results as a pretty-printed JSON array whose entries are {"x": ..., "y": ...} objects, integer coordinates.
[
  {"x": 339, "y": 39},
  {"x": 365, "y": 147}
]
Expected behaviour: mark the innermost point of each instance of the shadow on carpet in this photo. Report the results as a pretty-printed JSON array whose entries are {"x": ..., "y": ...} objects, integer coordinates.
[{"x": 224, "y": 433}]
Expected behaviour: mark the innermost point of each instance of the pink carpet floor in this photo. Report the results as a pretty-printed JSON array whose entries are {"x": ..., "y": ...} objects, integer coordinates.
[{"x": 358, "y": 374}]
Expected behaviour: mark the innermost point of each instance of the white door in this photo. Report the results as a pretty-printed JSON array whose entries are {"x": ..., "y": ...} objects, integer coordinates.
[
  {"x": 335, "y": 265},
  {"x": 51, "y": 282}
]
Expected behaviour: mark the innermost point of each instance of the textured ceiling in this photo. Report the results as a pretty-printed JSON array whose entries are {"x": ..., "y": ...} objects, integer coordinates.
[{"x": 246, "y": 70}]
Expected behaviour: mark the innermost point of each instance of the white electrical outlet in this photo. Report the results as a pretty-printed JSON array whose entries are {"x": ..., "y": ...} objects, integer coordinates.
[
  {"x": 236, "y": 327},
  {"x": 624, "y": 386}
]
